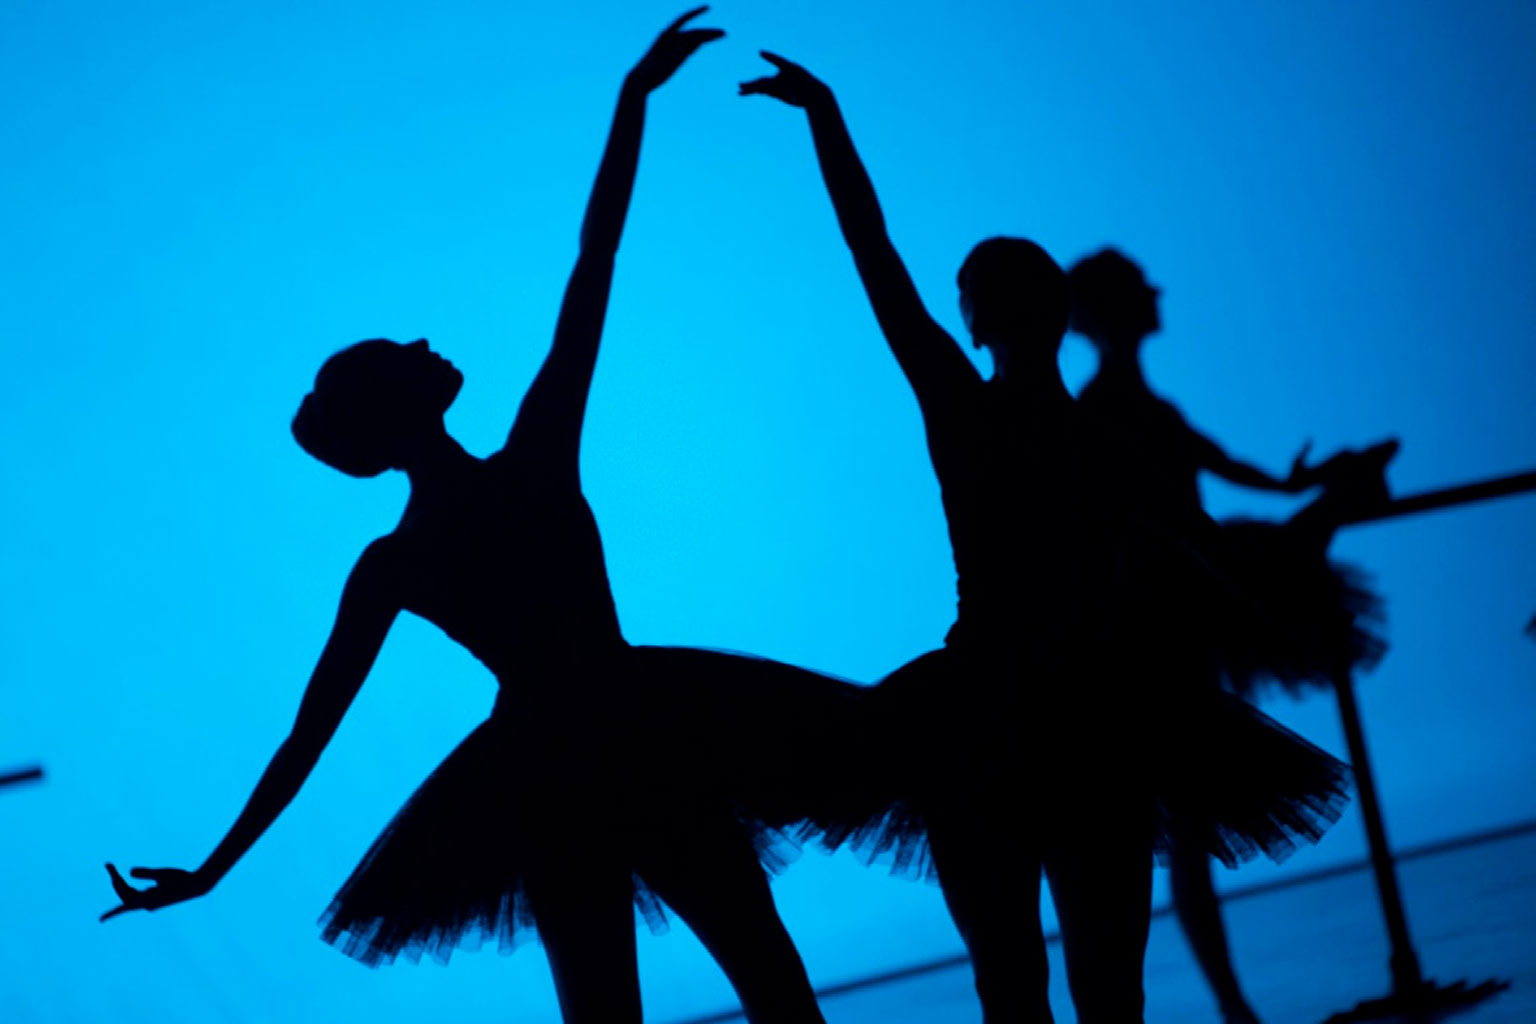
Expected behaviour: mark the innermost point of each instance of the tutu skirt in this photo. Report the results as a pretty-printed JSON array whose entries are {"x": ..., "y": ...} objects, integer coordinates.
[
  {"x": 1096, "y": 704},
  {"x": 1305, "y": 618},
  {"x": 605, "y": 768},
  {"x": 1033, "y": 757}
]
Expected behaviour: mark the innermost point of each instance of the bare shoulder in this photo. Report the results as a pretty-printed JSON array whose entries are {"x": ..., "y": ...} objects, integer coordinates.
[{"x": 1172, "y": 414}]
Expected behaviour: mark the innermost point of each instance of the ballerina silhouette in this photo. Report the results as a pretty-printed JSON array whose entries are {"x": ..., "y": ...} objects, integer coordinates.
[
  {"x": 608, "y": 777},
  {"x": 1320, "y": 616},
  {"x": 1307, "y": 617},
  {"x": 1012, "y": 762}
]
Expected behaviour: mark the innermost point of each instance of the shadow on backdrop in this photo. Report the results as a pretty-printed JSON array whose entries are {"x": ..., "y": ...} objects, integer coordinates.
[
  {"x": 1074, "y": 720},
  {"x": 608, "y": 778}
]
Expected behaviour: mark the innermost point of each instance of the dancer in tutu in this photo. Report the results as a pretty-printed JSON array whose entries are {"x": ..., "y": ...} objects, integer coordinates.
[
  {"x": 1319, "y": 616},
  {"x": 1304, "y": 618},
  {"x": 608, "y": 777},
  {"x": 1009, "y": 751}
]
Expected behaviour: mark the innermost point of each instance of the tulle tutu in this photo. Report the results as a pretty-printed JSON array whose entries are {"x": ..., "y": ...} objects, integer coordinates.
[
  {"x": 1221, "y": 773},
  {"x": 608, "y": 767},
  {"x": 1206, "y": 767},
  {"x": 1238, "y": 784},
  {"x": 1099, "y": 702},
  {"x": 914, "y": 739},
  {"x": 1307, "y": 617}
]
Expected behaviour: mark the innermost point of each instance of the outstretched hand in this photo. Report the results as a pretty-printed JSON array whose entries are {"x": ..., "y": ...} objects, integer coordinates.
[
  {"x": 1302, "y": 475},
  {"x": 171, "y": 885},
  {"x": 674, "y": 46},
  {"x": 1355, "y": 479},
  {"x": 792, "y": 84}
]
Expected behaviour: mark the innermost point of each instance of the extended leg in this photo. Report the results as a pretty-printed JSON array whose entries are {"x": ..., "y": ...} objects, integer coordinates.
[
  {"x": 586, "y": 920},
  {"x": 712, "y": 879},
  {"x": 1194, "y": 899}
]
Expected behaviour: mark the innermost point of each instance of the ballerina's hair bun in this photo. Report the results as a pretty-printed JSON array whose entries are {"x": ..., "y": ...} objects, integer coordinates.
[{"x": 344, "y": 422}]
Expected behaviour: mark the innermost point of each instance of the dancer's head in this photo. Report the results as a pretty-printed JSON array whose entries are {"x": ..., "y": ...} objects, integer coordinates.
[
  {"x": 371, "y": 401},
  {"x": 1014, "y": 299},
  {"x": 1113, "y": 305}
]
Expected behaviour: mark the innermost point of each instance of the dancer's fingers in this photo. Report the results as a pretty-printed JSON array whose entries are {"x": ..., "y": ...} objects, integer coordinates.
[
  {"x": 685, "y": 18},
  {"x": 125, "y": 892}
]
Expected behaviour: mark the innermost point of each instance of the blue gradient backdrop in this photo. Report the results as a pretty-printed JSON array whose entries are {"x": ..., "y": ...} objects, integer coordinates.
[{"x": 200, "y": 202}]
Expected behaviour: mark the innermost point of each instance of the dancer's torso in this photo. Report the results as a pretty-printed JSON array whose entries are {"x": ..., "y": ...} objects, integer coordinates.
[
  {"x": 512, "y": 568},
  {"x": 1029, "y": 534},
  {"x": 1149, "y": 454}
]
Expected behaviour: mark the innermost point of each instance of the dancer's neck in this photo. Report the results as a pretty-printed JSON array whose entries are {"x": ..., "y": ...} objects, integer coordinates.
[
  {"x": 436, "y": 463},
  {"x": 1120, "y": 368},
  {"x": 1030, "y": 378}
]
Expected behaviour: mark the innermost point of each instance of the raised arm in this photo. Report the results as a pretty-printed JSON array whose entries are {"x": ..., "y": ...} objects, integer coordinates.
[
  {"x": 934, "y": 365},
  {"x": 556, "y": 403},
  {"x": 367, "y": 611}
]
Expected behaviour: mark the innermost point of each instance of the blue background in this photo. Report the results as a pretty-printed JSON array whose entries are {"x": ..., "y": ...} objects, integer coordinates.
[{"x": 201, "y": 202}]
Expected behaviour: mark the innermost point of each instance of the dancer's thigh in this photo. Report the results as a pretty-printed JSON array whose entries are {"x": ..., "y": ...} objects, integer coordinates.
[
  {"x": 1099, "y": 865},
  {"x": 991, "y": 884},
  {"x": 711, "y": 877},
  {"x": 583, "y": 904}
]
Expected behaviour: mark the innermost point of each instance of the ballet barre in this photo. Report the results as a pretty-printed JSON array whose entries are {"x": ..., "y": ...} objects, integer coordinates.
[
  {"x": 1412, "y": 994},
  {"x": 32, "y": 773}
]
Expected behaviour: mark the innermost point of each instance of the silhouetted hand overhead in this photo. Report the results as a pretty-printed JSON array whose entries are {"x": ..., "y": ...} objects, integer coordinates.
[
  {"x": 171, "y": 885},
  {"x": 675, "y": 45},
  {"x": 793, "y": 84}
]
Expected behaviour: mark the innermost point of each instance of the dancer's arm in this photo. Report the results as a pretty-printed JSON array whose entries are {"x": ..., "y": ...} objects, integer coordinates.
[
  {"x": 556, "y": 402},
  {"x": 1213, "y": 459},
  {"x": 937, "y": 369},
  {"x": 366, "y": 613}
]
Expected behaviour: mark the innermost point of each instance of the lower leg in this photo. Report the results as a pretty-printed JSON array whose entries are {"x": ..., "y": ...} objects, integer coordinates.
[
  {"x": 717, "y": 886},
  {"x": 1199, "y": 913}
]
